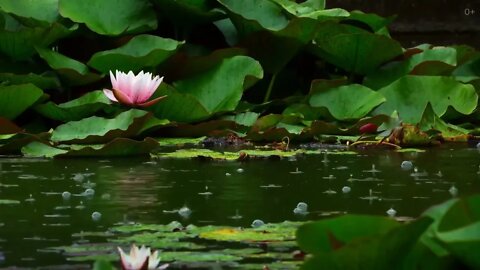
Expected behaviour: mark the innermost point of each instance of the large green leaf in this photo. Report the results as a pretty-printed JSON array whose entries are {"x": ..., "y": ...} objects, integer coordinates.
[
  {"x": 76, "y": 109},
  {"x": 70, "y": 70},
  {"x": 188, "y": 13},
  {"x": 215, "y": 90},
  {"x": 15, "y": 99},
  {"x": 348, "y": 102},
  {"x": 410, "y": 95},
  {"x": 354, "y": 49},
  {"x": 43, "y": 81},
  {"x": 140, "y": 52},
  {"x": 252, "y": 15},
  {"x": 43, "y": 10},
  {"x": 331, "y": 234},
  {"x": 97, "y": 130},
  {"x": 385, "y": 250},
  {"x": 19, "y": 42},
  {"x": 111, "y": 17},
  {"x": 427, "y": 62}
]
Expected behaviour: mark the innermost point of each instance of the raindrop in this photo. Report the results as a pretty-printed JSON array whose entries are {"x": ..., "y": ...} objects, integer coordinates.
[
  {"x": 240, "y": 170},
  {"x": 206, "y": 192},
  {"x": 406, "y": 165},
  {"x": 296, "y": 171},
  {"x": 325, "y": 158},
  {"x": 106, "y": 196},
  {"x": 330, "y": 192},
  {"x": 81, "y": 206},
  {"x": 237, "y": 215},
  {"x": 391, "y": 212},
  {"x": 96, "y": 216},
  {"x": 227, "y": 174},
  {"x": 330, "y": 177},
  {"x": 373, "y": 170},
  {"x": 30, "y": 199},
  {"x": 346, "y": 189},
  {"x": 89, "y": 192},
  {"x": 453, "y": 191},
  {"x": 439, "y": 174},
  {"x": 478, "y": 145},
  {"x": 66, "y": 195},
  {"x": 184, "y": 212},
  {"x": 257, "y": 223},
  {"x": 78, "y": 177}
]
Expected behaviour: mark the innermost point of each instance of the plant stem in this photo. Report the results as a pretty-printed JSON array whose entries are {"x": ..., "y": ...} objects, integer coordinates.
[{"x": 270, "y": 87}]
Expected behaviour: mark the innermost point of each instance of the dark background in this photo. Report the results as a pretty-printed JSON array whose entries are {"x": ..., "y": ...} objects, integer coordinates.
[{"x": 439, "y": 22}]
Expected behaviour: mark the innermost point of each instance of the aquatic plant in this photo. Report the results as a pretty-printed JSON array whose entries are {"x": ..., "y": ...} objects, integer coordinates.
[{"x": 140, "y": 259}]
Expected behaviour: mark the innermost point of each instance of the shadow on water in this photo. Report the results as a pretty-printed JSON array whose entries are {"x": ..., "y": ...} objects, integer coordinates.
[{"x": 149, "y": 191}]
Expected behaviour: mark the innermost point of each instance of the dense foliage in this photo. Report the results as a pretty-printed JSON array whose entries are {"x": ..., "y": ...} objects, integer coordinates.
[{"x": 261, "y": 69}]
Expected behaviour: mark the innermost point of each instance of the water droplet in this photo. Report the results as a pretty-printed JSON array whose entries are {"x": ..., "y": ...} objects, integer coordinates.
[
  {"x": 30, "y": 199},
  {"x": 240, "y": 170},
  {"x": 346, "y": 189},
  {"x": 439, "y": 174},
  {"x": 96, "y": 216},
  {"x": 227, "y": 174},
  {"x": 453, "y": 191},
  {"x": 391, "y": 212},
  {"x": 478, "y": 145},
  {"x": 78, "y": 177},
  {"x": 406, "y": 165},
  {"x": 66, "y": 195},
  {"x": 206, "y": 192},
  {"x": 296, "y": 171},
  {"x": 257, "y": 223},
  {"x": 89, "y": 192},
  {"x": 184, "y": 212},
  {"x": 237, "y": 215},
  {"x": 330, "y": 192},
  {"x": 302, "y": 206},
  {"x": 81, "y": 206}
]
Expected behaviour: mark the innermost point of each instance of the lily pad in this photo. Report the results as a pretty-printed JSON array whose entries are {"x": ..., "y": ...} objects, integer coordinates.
[
  {"x": 410, "y": 95},
  {"x": 70, "y": 70},
  {"x": 354, "y": 49},
  {"x": 97, "y": 129},
  {"x": 140, "y": 52},
  {"x": 11, "y": 106},
  {"x": 348, "y": 102},
  {"x": 42, "y": 81},
  {"x": 76, "y": 109},
  {"x": 110, "y": 17},
  {"x": 42, "y": 11}
]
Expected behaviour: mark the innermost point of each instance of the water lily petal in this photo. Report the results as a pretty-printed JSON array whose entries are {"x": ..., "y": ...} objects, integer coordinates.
[
  {"x": 151, "y": 102},
  {"x": 122, "y": 97},
  {"x": 109, "y": 95}
]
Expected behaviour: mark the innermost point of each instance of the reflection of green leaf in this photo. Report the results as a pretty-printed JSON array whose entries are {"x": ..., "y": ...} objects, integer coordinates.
[
  {"x": 410, "y": 95},
  {"x": 97, "y": 129},
  {"x": 15, "y": 99},
  {"x": 110, "y": 17},
  {"x": 353, "y": 49},
  {"x": 347, "y": 102},
  {"x": 140, "y": 52},
  {"x": 76, "y": 109}
]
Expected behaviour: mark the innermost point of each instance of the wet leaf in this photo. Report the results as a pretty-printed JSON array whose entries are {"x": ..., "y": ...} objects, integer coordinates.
[
  {"x": 140, "y": 52},
  {"x": 11, "y": 106},
  {"x": 76, "y": 109},
  {"x": 354, "y": 49},
  {"x": 347, "y": 102},
  {"x": 97, "y": 129},
  {"x": 410, "y": 95},
  {"x": 110, "y": 17},
  {"x": 70, "y": 70}
]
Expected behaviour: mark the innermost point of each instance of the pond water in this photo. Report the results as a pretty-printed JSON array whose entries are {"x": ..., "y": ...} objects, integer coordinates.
[{"x": 217, "y": 192}]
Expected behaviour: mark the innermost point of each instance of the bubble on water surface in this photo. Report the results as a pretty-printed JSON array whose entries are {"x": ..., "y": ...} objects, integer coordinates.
[
  {"x": 106, "y": 196},
  {"x": 78, "y": 177},
  {"x": 66, "y": 195},
  {"x": 96, "y": 216},
  {"x": 240, "y": 170},
  {"x": 346, "y": 189},
  {"x": 391, "y": 212},
  {"x": 302, "y": 206},
  {"x": 257, "y": 223},
  {"x": 184, "y": 212},
  {"x": 478, "y": 145},
  {"x": 227, "y": 174},
  {"x": 80, "y": 206},
  {"x": 89, "y": 192},
  {"x": 453, "y": 191},
  {"x": 406, "y": 165}
]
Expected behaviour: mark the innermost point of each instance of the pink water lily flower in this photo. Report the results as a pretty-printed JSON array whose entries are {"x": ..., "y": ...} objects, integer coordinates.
[
  {"x": 133, "y": 90},
  {"x": 140, "y": 259}
]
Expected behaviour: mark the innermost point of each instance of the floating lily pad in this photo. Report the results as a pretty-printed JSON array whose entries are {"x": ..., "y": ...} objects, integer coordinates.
[{"x": 180, "y": 141}]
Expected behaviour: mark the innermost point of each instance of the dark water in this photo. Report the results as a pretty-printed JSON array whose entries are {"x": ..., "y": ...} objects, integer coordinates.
[{"x": 144, "y": 191}]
